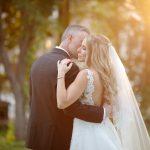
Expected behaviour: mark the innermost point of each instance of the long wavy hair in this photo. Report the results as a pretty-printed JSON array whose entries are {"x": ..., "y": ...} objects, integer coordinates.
[{"x": 98, "y": 57}]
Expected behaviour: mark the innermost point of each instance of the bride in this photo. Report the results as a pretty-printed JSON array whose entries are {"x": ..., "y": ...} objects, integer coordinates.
[{"x": 105, "y": 77}]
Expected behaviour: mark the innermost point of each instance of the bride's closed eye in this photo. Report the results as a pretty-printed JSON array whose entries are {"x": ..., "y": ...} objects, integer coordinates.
[{"x": 84, "y": 48}]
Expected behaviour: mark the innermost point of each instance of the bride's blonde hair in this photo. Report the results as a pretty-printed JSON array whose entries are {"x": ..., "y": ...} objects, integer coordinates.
[{"x": 98, "y": 58}]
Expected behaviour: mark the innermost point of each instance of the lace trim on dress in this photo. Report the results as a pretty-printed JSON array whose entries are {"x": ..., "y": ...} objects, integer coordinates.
[{"x": 89, "y": 89}]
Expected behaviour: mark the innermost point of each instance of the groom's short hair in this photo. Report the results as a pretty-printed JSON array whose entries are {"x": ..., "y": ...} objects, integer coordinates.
[{"x": 72, "y": 29}]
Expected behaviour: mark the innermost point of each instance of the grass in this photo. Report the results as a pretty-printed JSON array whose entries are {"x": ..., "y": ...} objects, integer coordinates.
[
  {"x": 7, "y": 139},
  {"x": 13, "y": 145}
]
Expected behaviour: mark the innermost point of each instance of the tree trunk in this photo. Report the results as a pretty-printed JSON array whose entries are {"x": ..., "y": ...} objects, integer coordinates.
[
  {"x": 17, "y": 79},
  {"x": 20, "y": 120},
  {"x": 17, "y": 90},
  {"x": 64, "y": 17}
]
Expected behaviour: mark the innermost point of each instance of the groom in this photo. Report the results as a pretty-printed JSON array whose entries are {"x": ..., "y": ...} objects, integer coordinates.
[{"x": 50, "y": 128}]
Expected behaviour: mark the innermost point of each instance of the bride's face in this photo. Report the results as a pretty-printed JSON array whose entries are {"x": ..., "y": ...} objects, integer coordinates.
[{"x": 82, "y": 52}]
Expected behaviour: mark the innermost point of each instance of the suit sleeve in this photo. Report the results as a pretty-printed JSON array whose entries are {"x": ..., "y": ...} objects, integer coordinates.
[{"x": 78, "y": 110}]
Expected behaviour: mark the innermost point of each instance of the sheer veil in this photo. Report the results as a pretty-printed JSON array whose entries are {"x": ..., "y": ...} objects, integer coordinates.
[{"x": 126, "y": 113}]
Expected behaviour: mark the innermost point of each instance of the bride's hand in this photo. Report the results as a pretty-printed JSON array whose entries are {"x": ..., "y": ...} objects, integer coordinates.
[{"x": 63, "y": 66}]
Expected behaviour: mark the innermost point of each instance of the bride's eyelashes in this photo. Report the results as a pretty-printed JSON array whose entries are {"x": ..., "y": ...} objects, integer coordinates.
[{"x": 83, "y": 48}]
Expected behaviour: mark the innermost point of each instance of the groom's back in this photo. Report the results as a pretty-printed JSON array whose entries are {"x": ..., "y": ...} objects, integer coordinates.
[{"x": 48, "y": 127}]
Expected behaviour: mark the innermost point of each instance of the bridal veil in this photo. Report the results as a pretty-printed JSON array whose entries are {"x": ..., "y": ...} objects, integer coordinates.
[{"x": 126, "y": 114}]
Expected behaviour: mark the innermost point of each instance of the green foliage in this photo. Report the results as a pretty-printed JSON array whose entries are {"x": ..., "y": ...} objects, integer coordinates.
[
  {"x": 10, "y": 137},
  {"x": 7, "y": 140},
  {"x": 5, "y": 145}
]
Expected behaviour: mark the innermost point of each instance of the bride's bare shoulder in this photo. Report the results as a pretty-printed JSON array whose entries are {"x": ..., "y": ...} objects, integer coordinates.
[
  {"x": 83, "y": 72},
  {"x": 82, "y": 76}
]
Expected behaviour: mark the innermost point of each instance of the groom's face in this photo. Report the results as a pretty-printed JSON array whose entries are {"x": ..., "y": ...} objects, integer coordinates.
[{"x": 76, "y": 43}]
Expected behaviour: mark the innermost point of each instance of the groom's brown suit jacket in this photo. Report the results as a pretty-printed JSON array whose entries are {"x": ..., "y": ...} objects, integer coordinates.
[{"x": 50, "y": 128}]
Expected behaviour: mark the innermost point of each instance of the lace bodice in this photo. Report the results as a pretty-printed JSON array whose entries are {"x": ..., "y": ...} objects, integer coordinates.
[{"x": 87, "y": 95}]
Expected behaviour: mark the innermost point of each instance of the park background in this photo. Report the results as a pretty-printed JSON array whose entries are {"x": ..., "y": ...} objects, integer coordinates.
[{"x": 30, "y": 28}]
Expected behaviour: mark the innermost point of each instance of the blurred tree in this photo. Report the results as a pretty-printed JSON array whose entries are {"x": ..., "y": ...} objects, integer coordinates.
[
  {"x": 64, "y": 16},
  {"x": 9, "y": 27},
  {"x": 143, "y": 9},
  {"x": 23, "y": 26}
]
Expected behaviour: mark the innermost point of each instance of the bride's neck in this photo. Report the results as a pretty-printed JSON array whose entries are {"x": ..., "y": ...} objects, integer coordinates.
[{"x": 91, "y": 68}]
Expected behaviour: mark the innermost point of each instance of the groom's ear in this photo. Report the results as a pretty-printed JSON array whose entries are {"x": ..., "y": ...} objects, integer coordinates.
[{"x": 69, "y": 37}]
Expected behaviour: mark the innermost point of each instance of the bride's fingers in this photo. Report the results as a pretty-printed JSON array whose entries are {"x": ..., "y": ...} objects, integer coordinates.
[
  {"x": 65, "y": 61},
  {"x": 58, "y": 62},
  {"x": 70, "y": 65}
]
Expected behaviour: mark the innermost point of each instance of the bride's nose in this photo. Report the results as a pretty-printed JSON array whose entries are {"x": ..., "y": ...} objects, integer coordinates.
[{"x": 78, "y": 50}]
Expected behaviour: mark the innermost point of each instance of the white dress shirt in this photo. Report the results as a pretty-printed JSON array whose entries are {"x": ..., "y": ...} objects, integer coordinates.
[{"x": 63, "y": 50}]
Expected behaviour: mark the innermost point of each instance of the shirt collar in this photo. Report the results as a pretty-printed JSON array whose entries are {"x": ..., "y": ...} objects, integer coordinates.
[{"x": 62, "y": 49}]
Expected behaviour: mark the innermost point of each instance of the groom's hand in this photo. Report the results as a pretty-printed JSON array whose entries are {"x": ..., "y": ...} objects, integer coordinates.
[{"x": 108, "y": 109}]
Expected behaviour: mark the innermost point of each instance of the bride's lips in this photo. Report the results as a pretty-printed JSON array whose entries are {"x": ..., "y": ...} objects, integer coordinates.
[{"x": 79, "y": 55}]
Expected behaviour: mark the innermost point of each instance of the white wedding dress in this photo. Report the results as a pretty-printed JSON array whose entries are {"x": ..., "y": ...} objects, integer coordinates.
[
  {"x": 128, "y": 132},
  {"x": 93, "y": 136}
]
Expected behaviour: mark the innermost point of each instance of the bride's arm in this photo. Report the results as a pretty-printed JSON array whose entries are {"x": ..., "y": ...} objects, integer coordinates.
[
  {"x": 66, "y": 97},
  {"x": 77, "y": 109}
]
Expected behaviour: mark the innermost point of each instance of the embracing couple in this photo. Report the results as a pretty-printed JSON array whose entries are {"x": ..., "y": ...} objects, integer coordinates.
[{"x": 89, "y": 109}]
